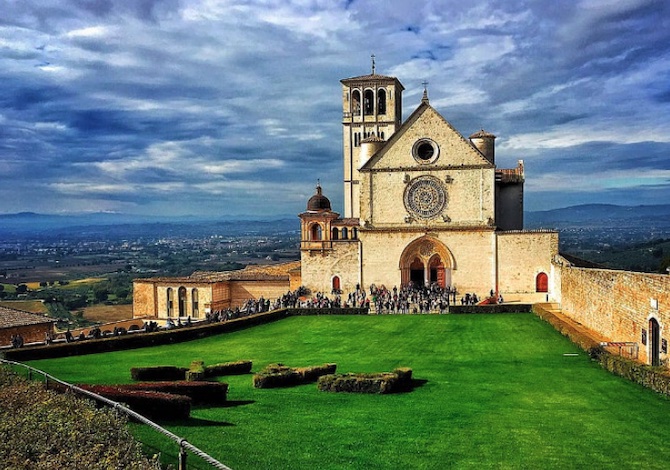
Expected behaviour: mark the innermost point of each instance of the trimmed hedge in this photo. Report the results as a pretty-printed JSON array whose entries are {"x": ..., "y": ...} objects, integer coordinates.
[
  {"x": 279, "y": 375},
  {"x": 228, "y": 368},
  {"x": 153, "y": 405},
  {"x": 196, "y": 372},
  {"x": 382, "y": 383},
  {"x": 655, "y": 378},
  {"x": 200, "y": 393},
  {"x": 158, "y": 373}
]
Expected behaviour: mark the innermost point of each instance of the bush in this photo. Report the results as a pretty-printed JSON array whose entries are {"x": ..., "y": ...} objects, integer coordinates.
[
  {"x": 41, "y": 429},
  {"x": 312, "y": 374},
  {"x": 279, "y": 375},
  {"x": 196, "y": 372},
  {"x": 158, "y": 373},
  {"x": 276, "y": 375},
  {"x": 228, "y": 368},
  {"x": 383, "y": 382},
  {"x": 655, "y": 378},
  {"x": 153, "y": 405},
  {"x": 200, "y": 393}
]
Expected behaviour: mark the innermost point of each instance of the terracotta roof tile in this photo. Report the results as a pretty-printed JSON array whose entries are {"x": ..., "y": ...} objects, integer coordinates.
[{"x": 10, "y": 318}]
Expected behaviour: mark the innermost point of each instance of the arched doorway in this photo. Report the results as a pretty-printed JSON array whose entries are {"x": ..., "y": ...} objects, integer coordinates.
[
  {"x": 542, "y": 283},
  {"x": 416, "y": 272},
  {"x": 336, "y": 284},
  {"x": 426, "y": 261},
  {"x": 654, "y": 342}
]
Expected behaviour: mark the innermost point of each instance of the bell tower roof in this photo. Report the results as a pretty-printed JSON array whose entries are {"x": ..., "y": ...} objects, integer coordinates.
[{"x": 318, "y": 202}]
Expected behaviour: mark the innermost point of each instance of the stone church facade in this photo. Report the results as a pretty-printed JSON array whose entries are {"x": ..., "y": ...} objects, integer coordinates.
[{"x": 422, "y": 204}]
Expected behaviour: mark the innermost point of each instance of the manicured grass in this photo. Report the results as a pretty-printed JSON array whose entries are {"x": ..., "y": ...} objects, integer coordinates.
[{"x": 496, "y": 391}]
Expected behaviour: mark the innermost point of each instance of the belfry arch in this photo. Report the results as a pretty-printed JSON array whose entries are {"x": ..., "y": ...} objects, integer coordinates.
[{"x": 426, "y": 260}]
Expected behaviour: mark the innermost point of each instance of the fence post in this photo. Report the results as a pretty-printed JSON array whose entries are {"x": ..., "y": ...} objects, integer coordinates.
[{"x": 182, "y": 456}]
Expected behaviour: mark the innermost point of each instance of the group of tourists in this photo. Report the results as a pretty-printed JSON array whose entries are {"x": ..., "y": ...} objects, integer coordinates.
[{"x": 413, "y": 298}]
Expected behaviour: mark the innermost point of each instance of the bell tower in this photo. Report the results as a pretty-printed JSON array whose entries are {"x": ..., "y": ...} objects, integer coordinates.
[{"x": 371, "y": 107}]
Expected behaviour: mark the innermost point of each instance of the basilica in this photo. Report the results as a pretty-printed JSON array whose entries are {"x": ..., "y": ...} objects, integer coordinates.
[{"x": 422, "y": 205}]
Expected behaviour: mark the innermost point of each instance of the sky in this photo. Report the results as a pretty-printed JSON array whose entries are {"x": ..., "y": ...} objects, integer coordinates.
[{"x": 233, "y": 108}]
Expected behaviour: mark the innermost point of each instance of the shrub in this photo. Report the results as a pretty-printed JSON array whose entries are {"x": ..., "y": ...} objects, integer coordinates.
[
  {"x": 276, "y": 375},
  {"x": 383, "y": 382},
  {"x": 158, "y": 373},
  {"x": 200, "y": 393},
  {"x": 311, "y": 374},
  {"x": 228, "y": 368},
  {"x": 41, "y": 429},
  {"x": 196, "y": 372},
  {"x": 153, "y": 405},
  {"x": 279, "y": 375}
]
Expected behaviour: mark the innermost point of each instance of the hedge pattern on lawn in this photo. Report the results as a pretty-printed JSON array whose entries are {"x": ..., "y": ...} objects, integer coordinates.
[
  {"x": 228, "y": 368},
  {"x": 382, "y": 382},
  {"x": 153, "y": 405},
  {"x": 279, "y": 375},
  {"x": 196, "y": 372},
  {"x": 158, "y": 373},
  {"x": 200, "y": 393}
]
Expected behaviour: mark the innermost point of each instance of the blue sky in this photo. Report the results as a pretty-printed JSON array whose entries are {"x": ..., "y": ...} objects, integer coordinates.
[{"x": 233, "y": 108}]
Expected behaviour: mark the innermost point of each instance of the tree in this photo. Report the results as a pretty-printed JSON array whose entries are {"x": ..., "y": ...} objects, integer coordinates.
[{"x": 21, "y": 289}]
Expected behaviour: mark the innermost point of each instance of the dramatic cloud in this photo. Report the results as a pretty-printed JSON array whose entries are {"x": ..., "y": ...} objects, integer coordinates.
[{"x": 233, "y": 108}]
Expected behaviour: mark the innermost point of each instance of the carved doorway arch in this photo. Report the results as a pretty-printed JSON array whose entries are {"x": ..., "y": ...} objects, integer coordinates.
[{"x": 425, "y": 261}]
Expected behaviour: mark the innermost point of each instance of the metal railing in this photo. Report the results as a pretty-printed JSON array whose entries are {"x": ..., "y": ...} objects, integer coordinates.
[{"x": 183, "y": 444}]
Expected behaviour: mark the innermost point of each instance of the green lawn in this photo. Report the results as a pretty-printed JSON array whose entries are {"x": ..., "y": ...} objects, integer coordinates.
[{"x": 499, "y": 392}]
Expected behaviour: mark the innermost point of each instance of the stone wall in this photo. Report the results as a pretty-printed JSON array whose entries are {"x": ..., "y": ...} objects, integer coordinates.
[
  {"x": 318, "y": 268},
  {"x": 521, "y": 257},
  {"x": 30, "y": 333},
  {"x": 618, "y": 304}
]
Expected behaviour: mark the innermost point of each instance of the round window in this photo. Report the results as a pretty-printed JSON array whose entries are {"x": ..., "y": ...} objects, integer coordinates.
[{"x": 425, "y": 151}]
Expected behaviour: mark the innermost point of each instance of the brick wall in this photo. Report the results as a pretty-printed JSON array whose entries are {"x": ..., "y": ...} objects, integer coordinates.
[{"x": 619, "y": 304}]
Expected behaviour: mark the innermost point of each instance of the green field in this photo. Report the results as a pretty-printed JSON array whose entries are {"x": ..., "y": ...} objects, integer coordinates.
[{"x": 494, "y": 391}]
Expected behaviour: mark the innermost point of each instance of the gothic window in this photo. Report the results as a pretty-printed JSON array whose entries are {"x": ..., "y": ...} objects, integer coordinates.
[
  {"x": 356, "y": 102},
  {"x": 170, "y": 302},
  {"x": 336, "y": 234},
  {"x": 345, "y": 233},
  {"x": 182, "y": 301},
  {"x": 542, "y": 283},
  {"x": 315, "y": 232},
  {"x": 368, "y": 102},
  {"x": 194, "y": 301},
  {"x": 381, "y": 101}
]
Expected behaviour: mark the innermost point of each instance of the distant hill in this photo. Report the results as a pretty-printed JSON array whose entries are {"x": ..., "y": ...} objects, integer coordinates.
[
  {"x": 600, "y": 215},
  {"x": 27, "y": 224}
]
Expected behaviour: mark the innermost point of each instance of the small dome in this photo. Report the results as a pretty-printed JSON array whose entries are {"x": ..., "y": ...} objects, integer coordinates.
[{"x": 318, "y": 202}]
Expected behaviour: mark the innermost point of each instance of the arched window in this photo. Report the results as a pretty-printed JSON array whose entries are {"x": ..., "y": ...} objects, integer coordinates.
[
  {"x": 315, "y": 232},
  {"x": 354, "y": 233},
  {"x": 356, "y": 102},
  {"x": 182, "y": 301},
  {"x": 368, "y": 102},
  {"x": 194, "y": 301},
  {"x": 382, "y": 135},
  {"x": 170, "y": 302},
  {"x": 542, "y": 283},
  {"x": 336, "y": 234},
  {"x": 381, "y": 101},
  {"x": 345, "y": 233}
]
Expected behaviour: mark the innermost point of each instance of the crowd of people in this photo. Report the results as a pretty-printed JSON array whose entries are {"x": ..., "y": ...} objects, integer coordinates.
[{"x": 413, "y": 298}]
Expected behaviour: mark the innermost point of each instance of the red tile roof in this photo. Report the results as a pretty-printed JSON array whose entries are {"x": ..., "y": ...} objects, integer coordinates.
[{"x": 10, "y": 318}]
